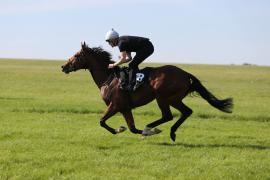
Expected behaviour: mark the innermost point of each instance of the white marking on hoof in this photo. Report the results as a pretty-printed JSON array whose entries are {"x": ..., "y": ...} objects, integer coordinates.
[
  {"x": 121, "y": 129},
  {"x": 146, "y": 131},
  {"x": 149, "y": 132}
]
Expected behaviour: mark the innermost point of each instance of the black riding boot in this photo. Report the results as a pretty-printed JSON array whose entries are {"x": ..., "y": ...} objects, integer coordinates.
[
  {"x": 124, "y": 80},
  {"x": 131, "y": 81}
]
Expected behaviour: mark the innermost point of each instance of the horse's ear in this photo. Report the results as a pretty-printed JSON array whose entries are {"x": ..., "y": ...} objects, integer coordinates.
[{"x": 83, "y": 45}]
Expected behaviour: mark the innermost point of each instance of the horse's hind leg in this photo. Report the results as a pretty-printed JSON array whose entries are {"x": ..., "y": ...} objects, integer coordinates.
[
  {"x": 186, "y": 112},
  {"x": 166, "y": 116}
]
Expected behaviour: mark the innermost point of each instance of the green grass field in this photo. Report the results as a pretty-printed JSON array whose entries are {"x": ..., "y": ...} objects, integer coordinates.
[{"x": 49, "y": 128}]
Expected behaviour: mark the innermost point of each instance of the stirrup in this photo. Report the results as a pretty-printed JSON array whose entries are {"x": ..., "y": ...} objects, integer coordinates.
[{"x": 137, "y": 85}]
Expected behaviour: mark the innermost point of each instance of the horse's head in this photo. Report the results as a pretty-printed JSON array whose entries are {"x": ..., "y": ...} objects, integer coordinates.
[
  {"x": 77, "y": 61},
  {"x": 88, "y": 58}
]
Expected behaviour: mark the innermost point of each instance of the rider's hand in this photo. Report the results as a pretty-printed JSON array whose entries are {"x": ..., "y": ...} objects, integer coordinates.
[{"x": 111, "y": 66}]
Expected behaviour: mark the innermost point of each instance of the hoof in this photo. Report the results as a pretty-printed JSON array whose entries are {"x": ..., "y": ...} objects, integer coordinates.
[
  {"x": 149, "y": 132},
  {"x": 121, "y": 129},
  {"x": 173, "y": 136}
]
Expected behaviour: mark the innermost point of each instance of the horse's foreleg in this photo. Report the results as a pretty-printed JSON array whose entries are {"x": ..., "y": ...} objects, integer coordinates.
[
  {"x": 130, "y": 122},
  {"x": 109, "y": 113}
]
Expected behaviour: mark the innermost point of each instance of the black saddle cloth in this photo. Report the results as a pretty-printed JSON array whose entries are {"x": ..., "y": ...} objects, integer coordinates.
[{"x": 142, "y": 77}]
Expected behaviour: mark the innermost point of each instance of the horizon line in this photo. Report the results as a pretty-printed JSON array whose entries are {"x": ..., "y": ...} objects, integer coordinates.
[{"x": 155, "y": 62}]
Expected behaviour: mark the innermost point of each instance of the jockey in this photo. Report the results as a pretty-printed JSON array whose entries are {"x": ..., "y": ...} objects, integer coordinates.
[{"x": 127, "y": 44}]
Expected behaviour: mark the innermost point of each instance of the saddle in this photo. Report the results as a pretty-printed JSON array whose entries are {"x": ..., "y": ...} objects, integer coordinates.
[{"x": 140, "y": 79}]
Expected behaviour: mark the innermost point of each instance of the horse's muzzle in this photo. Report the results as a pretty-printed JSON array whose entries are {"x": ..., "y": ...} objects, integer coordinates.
[{"x": 66, "y": 69}]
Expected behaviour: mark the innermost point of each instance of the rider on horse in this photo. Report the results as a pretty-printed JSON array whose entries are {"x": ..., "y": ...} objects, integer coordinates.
[{"x": 127, "y": 44}]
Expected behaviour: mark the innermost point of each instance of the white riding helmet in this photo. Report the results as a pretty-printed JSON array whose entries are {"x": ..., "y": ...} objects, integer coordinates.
[{"x": 111, "y": 34}]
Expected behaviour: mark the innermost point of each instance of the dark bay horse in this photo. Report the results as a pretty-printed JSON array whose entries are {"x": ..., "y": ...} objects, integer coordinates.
[{"x": 167, "y": 84}]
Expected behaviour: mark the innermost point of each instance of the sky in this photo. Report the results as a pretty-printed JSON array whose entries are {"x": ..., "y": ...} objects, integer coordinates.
[{"x": 182, "y": 31}]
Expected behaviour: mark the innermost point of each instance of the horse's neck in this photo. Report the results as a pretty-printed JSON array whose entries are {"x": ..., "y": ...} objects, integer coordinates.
[{"x": 99, "y": 76}]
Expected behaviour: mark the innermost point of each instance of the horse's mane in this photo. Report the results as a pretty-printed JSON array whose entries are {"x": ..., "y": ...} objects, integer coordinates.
[{"x": 101, "y": 54}]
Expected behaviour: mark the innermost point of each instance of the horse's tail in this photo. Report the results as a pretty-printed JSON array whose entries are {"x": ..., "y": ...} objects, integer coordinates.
[{"x": 224, "y": 105}]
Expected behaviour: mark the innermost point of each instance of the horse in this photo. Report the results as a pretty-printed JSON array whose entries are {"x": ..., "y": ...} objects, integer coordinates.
[{"x": 168, "y": 84}]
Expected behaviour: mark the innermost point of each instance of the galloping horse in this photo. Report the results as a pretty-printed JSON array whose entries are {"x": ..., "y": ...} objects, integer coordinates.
[{"x": 167, "y": 84}]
